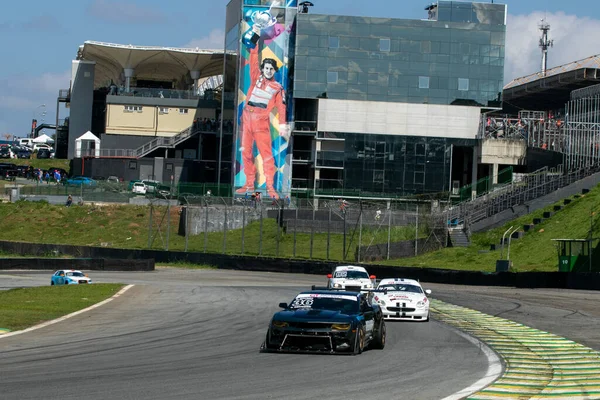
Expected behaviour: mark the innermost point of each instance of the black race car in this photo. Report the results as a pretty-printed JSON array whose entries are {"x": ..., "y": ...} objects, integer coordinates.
[{"x": 326, "y": 321}]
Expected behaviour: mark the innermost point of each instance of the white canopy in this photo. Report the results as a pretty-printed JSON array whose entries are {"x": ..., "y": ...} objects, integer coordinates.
[
  {"x": 87, "y": 145},
  {"x": 43, "y": 139}
]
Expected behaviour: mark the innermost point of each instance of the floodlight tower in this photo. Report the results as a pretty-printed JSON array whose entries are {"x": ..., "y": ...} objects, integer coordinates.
[{"x": 545, "y": 44}]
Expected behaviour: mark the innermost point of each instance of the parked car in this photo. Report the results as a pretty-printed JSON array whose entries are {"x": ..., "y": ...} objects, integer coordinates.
[
  {"x": 23, "y": 153},
  {"x": 44, "y": 153},
  {"x": 7, "y": 152},
  {"x": 151, "y": 185},
  {"x": 139, "y": 188},
  {"x": 113, "y": 179},
  {"x": 81, "y": 180}
]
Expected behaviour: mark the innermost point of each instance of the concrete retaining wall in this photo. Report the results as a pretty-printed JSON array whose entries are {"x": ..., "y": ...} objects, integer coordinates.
[{"x": 559, "y": 280}]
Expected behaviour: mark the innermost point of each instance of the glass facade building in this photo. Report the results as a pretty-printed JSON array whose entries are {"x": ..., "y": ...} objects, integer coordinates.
[
  {"x": 457, "y": 58},
  {"x": 453, "y": 58}
]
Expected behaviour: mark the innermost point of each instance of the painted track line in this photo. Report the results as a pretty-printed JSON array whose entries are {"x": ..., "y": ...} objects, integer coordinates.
[
  {"x": 54, "y": 321},
  {"x": 539, "y": 365}
]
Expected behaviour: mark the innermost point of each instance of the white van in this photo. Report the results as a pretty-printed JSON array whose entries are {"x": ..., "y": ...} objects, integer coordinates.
[{"x": 25, "y": 142}]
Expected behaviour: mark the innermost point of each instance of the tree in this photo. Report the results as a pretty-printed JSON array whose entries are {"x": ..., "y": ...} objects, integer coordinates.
[{"x": 7, "y": 136}]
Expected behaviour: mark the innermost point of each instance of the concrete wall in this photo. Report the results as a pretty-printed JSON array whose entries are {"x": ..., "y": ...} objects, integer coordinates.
[
  {"x": 503, "y": 151},
  {"x": 560, "y": 280},
  {"x": 94, "y": 264},
  {"x": 82, "y": 99},
  {"x": 213, "y": 219}
]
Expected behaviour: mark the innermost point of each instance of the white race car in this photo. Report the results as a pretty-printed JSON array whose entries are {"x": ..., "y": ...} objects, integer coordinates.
[
  {"x": 350, "y": 278},
  {"x": 402, "y": 299}
]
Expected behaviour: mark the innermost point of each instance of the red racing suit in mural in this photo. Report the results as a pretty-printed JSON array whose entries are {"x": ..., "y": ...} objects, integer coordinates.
[{"x": 263, "y": 96}]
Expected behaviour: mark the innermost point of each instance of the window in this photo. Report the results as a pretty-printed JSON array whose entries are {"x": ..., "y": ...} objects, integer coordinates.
[
  {"x": 169, "y": 167},
  {"x": 163, "y": 110},
  {"x": 332, "y": 77},
  {"x": 132, "y": 108},
  {"x": 463, "y": 84},
  {"x": 384, "y": 44},
  {"x": 132, "y": 164},
  {"x": 183, "y": 111},
  {"x": 334, "y": 42},
  {"x": 423, "y": 82}
]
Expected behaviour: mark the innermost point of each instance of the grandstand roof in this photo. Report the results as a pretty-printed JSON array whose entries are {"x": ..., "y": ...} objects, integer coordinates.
[
  {"x": 552, "y": 91},
  {"x": 149, "y": 62}
]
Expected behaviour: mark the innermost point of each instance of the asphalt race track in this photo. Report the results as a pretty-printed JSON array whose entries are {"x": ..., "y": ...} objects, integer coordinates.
[{"x": 195, "y": 334}]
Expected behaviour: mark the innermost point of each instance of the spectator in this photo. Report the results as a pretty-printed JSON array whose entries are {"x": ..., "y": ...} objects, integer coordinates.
[{"x": 69, "y": 201}]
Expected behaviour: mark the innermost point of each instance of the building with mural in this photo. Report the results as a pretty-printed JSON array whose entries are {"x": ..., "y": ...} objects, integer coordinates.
[{"x": 303, "y": 103}]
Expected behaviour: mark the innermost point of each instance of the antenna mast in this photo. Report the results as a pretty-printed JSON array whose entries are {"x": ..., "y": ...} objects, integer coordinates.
[{"x": 545, "y": 44}]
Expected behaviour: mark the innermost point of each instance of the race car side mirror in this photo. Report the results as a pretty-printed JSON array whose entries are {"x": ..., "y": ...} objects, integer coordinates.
[
  {"x": 283, "y": 305},
  {"x": 428, "y": 291}
]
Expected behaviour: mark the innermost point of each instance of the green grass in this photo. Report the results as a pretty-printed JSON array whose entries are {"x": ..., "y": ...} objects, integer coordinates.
[
  {"x": 25, "y": 307},
  {"x": 534, "y": 252},
  {"x": 127, "y": 226}
]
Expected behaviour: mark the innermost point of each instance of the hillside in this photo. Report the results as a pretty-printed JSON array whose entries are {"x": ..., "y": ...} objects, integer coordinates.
[{"x": 128, "y": 226}]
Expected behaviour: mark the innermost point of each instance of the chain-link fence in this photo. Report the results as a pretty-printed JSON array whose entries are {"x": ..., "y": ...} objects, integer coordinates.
[{"x": 329, "y": 230}]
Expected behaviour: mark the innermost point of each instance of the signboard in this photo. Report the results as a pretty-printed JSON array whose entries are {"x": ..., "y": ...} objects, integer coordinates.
[{"x": 264, "y": 109}]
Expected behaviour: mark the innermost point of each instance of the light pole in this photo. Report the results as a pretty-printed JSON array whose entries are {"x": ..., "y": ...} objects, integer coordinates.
[{"x": 34, "y": 121}]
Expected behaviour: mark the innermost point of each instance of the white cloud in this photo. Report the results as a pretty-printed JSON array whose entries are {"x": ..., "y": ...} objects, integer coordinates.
[
  {"x": 214, "y": 40},
  {"x": 572, "y": 35}
]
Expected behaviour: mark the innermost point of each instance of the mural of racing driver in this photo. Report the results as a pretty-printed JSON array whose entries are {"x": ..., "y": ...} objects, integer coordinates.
[{"x": 264, "y": 95}]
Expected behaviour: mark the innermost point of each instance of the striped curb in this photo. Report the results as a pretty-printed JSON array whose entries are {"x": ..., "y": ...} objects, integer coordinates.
[{"x": 539, "y": 365}]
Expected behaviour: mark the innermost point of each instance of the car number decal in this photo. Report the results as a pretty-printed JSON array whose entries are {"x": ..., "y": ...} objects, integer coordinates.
[{"x": 302, "y": 302}]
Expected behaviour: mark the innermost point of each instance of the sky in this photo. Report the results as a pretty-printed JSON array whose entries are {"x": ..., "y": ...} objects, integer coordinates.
[{"x": 39, "y": 39}]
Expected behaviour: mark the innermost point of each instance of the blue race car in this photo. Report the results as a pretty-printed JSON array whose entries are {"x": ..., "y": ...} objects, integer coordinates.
[
  {"x": 69, "y": 277},
  {"x": 326, "y": 321}
]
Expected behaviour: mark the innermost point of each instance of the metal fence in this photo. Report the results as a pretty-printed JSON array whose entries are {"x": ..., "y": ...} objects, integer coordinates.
[{"x": 334, "y": 230}]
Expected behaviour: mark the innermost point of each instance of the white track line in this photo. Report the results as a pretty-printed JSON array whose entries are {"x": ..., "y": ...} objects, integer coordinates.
[
  {"x": 54, "y": 321},
  {"x": 493, "y": 373}
]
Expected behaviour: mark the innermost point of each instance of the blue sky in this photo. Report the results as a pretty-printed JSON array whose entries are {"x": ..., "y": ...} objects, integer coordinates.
[{"x": 40, "y": 38}]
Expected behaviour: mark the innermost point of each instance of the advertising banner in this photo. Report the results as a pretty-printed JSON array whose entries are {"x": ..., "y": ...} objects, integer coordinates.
[{"x": 264, "y": 109}]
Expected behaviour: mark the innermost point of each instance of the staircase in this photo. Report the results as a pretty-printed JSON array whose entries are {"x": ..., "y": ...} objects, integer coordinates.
[
  {"x": 458, "y": 238},
  {"x": 164, "y": 142}
]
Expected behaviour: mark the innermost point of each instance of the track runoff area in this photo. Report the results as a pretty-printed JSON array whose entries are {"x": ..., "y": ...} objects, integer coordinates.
[{"x": 539, "y": 365}]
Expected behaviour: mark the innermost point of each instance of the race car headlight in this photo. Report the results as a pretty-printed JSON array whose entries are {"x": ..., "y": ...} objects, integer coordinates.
[
  {"x": 280, "y": 324},
  {"x": 337, "y": 285},
  {"x": 340, "y": 327},
  {"x": 420, "y": 304}
]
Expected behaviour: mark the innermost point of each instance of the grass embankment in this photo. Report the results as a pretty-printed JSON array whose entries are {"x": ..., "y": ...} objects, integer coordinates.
[
  {"x": 25, "y": 307},
  {"x": 534, "y": 252},
  {"x": 127, "y": 226}
]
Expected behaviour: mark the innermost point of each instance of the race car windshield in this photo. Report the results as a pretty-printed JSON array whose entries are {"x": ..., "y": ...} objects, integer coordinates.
[
  {"x": 75, "y": 274},
  {"x": 351, "y": 274},
  {"x": 324, "y": 303},
  {"x": 401, "y": 287}
]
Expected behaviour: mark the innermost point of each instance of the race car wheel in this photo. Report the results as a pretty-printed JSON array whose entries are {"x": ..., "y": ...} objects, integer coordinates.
[
  {"x": 267, "y": 345},
  {"x": 359, "y": 341},
  {"x": 379, "y": 336},
  {"x": 52, "y": 283}
]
